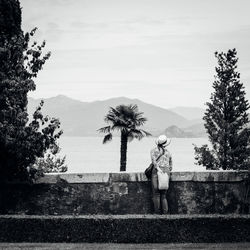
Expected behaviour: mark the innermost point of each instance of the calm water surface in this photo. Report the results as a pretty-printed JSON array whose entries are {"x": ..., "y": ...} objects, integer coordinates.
[{"x": 88, "y": 154}]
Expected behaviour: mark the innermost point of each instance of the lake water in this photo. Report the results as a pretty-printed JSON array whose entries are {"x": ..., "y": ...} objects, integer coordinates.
[{"x": 89, "y": 155}]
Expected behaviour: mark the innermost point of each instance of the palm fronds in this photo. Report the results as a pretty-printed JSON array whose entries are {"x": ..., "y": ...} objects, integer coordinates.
[
  {"x": 126, "y": 119},
  {"x": 104, "y": 129},
  {"x": 138, "y": 133},
  {"x": 107, "y": 138}
]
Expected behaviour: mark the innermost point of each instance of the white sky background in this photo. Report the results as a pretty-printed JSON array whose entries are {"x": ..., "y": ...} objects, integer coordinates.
[{"x": 159, "y": 51}]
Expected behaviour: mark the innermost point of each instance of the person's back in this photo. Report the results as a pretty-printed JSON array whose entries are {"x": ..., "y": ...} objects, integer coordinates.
[{"x": 164, "y": 162}]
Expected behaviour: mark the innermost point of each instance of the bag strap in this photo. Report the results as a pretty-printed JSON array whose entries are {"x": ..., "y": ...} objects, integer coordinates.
[{"x": 157, "y": 159}]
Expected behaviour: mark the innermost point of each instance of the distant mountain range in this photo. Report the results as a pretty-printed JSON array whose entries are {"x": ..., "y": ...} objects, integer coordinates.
[{"x": 84, "y": 118}]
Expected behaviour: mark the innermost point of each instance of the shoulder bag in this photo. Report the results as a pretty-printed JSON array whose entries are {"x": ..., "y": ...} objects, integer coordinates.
[
  {"x": 163, "y": 180},
  {"x": 149, "y": 169}
]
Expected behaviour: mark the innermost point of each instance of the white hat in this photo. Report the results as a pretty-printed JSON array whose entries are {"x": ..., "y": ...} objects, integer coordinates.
[{"x": 162, "y": 140}]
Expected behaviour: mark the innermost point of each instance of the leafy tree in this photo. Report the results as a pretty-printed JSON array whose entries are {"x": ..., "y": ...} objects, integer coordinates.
[
  {"x": 50, "y": 163},
  {"x": 126, "y": 119},
  {"x": 226, "y": 119},
  {"x": 21, "y": 141}
]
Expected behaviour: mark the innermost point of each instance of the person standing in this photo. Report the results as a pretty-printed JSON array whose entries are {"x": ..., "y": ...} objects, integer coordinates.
[{"x": 162, "y": 161}]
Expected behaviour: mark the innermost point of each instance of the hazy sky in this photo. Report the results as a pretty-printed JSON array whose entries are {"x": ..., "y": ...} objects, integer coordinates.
[{"x": 159, "y": 51}]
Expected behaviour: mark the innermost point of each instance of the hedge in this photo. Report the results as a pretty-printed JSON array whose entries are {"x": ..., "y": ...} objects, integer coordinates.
[{"x": 126, "y": 228}]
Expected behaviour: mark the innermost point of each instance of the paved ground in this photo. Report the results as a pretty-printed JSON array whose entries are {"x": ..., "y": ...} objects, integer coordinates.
[{"x": 87, "y": 246}]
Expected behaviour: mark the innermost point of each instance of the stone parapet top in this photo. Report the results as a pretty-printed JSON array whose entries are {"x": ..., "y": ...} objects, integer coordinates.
[
  {"x": 206, "y": 176},
  {"x": 125, "y": 216}
]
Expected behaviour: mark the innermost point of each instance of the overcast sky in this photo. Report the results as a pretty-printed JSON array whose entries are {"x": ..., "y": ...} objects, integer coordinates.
[{"x": 159, "y": 51}]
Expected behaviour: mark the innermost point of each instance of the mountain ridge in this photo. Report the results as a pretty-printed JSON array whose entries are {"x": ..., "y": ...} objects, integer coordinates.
[{"x": 80, "y": 118}]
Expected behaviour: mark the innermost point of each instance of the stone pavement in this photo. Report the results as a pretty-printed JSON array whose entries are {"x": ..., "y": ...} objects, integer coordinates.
[{"x": 107, "y": 246}]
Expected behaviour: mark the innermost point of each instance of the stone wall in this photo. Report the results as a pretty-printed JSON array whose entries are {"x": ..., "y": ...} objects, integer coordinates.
[{"x": 212, "y": 192}]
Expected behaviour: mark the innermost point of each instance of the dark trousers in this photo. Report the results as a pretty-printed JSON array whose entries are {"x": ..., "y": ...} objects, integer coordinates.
[{"x": 159, "y": 196}]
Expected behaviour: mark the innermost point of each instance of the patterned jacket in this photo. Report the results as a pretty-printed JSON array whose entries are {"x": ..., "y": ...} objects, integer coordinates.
[{"x": 165, "y": 162}]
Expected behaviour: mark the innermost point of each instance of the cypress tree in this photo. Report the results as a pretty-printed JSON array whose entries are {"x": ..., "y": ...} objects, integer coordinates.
[{"x": 226, "y": 119}]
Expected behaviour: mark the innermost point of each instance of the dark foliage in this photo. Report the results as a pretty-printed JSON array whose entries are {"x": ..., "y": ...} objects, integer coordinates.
[
  {"x": 226, "y": 119},
  {"x": 21, "y": 141},
  {"x": 126, "y": 229},
  {"x": 10, "y": 18}
]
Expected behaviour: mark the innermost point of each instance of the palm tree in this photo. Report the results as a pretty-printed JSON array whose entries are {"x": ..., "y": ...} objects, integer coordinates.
[{"x": 126, "y": 119}]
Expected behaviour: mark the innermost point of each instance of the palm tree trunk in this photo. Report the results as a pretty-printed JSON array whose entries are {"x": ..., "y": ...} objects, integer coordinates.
[{"x": 123, "y": 160}]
